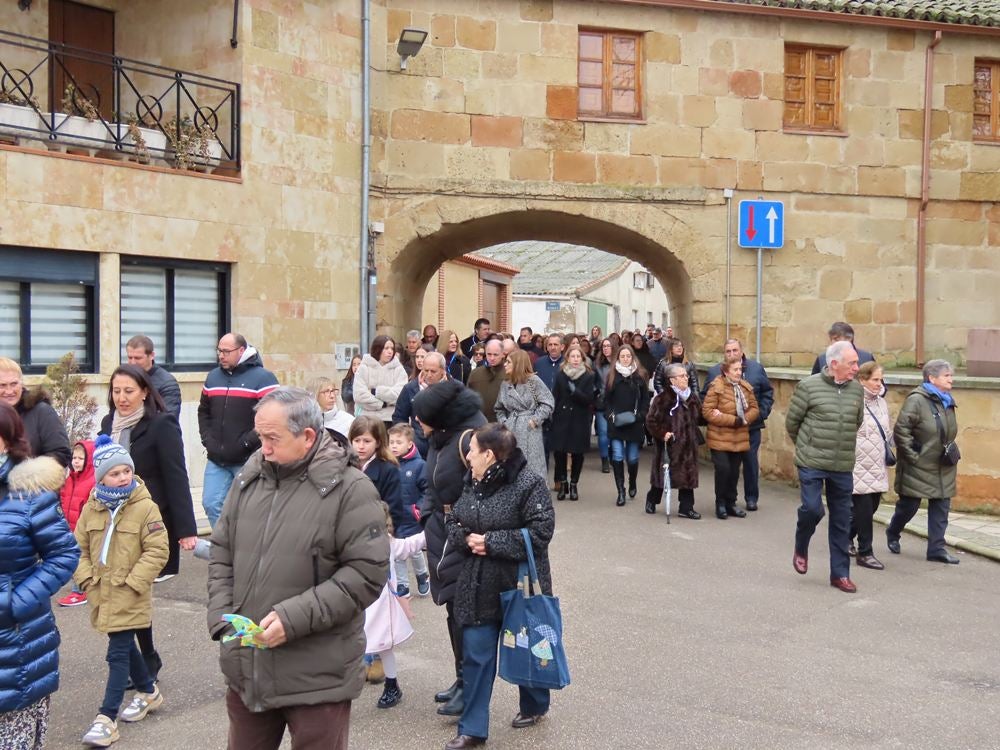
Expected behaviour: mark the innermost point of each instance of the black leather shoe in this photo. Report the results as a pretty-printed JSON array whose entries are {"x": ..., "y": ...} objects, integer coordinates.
[
  {"x": 632, "y": 492},
  {"x": 751, "y": 505},
  {"x": 738, "y": 512},
  {"x": 692, "y": 514},
  {"x": 943, "y": 557},
  {"x": 446, "y": 695},
  {"x": 721, "y": 514},
  {"x": 893, "y": 545},
  {"x": 464, "y": 741},
  {"x": 852, "y": 550},
  {"x": 521, "y": 721},
  {"x": 650, "y": 507},
  {"x": 455, "y": 706},
  {"x": 871, "y": 562},
  {"x": 574, "y": 493}
]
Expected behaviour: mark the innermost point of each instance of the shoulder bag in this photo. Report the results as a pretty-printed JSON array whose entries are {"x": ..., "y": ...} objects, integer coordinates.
[
  {"x": 890, "y": 456},
  {"x": 532, "y": 654},
  {"x": 950, "y": 455},
  {"x": 626, "y": 418}
]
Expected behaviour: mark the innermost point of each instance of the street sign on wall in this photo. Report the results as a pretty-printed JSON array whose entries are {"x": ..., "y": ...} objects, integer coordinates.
[{"x": 762, "y": 224}]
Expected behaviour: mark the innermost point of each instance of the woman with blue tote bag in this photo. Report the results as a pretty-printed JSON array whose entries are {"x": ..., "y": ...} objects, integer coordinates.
[{"x": 501, "y": 497}]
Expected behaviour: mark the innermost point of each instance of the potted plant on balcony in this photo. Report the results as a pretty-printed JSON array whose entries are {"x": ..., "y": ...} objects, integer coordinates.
[
  {"x": 79, "y": 125},
  {"x": 140, "y": 138},
  {"x": 17, "y": 113},
  {"x": 192, "y": 146}
]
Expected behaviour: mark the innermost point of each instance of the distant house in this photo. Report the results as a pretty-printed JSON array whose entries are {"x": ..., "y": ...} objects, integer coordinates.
[
  {"x": 468, "y": 288},
  {"x": 563, "y": 288}
]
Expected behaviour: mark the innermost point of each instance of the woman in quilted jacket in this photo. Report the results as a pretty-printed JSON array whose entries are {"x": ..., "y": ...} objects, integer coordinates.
[
  {"x": 379, "y": 380},
  {"x": 729, "y": 408},
  {"x": 871, "y": 475},
  {"x": 37, "y": 556}
]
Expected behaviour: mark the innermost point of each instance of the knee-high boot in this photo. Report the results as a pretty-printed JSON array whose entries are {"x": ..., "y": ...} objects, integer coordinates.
[
  {"x": 618, "y": 467},
  {"x": 633, "y": 472}
]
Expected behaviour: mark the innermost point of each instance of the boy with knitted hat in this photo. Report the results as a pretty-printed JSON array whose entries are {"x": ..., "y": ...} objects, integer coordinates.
[{"x": 123, "y": 547}]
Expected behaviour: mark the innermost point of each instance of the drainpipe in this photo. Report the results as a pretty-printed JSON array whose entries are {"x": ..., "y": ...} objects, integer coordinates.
[
  {"x": 925, "y": 187},
  {"x": 366, "y": 128}
]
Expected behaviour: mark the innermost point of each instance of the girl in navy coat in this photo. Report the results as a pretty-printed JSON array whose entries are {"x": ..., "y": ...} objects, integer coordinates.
[
  {"x": 371, "y": 442},
  {"x": 413, "y": 486}
]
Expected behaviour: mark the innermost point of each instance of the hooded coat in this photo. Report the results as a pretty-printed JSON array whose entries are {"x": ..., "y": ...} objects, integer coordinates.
[
  {"x": 308, "y": 541},
  {"x": 225, "y": 412},
  {"x": 43, "y": 427},
  {"x": 377, "y": 386},
  {"x": 37, "y": 557},
  {"x": 76, "y": 490},
  {"x": 919, "y": 472}
]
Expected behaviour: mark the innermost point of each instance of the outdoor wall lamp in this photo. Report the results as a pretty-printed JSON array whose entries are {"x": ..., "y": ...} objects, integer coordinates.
[
  {"x": 23, "y": 4},
  {"x": 410, "y": 42}
]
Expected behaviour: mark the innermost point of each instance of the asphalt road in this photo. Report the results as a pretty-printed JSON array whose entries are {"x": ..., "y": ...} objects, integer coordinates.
[{"x": 696, "y": 634}]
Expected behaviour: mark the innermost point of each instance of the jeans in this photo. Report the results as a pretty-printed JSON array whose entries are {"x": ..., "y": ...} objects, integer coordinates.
[
  {"x": 864, "y": 507},
  {"x": 625, "y": 451},
  {"x": 479, "y": 669},
  {"x": 323, "y": 726},
  {"x": 419, "y": 568},
  {"x": 937, "y": 520},
  {"x": 751, "y": 469},
  {"x": 124, "y": 661},
  {"x": 727, "y": 477},
  {"x": 602, "y": 433},
  {"x": 838, "y": 499},
  {"x": 218, "y": 477}
]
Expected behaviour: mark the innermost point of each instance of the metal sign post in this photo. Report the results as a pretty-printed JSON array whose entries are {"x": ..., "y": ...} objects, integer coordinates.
[{"x": 761, "y": 226}]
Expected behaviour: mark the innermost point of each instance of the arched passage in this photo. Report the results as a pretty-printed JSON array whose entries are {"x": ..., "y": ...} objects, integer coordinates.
[{"x": 420, "y": 239}]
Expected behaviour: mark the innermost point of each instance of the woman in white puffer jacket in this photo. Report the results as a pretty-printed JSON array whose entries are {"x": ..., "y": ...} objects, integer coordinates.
[
  {"x": 379, "y": 380},
  {"x": 871, "y": 475}
]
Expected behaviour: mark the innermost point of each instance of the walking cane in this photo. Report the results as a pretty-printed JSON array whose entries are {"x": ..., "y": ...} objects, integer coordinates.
[{"x": 666, "y": 483}]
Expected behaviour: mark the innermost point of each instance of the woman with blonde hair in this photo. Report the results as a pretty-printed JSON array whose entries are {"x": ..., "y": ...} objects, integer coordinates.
[
  {"x": 326, "y": 392},
  {"x": 523, "y": 406},
  {"x": 459, "y": 366}
]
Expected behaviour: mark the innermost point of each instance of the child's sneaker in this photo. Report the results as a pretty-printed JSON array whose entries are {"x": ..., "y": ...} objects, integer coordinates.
[
  {"x": 142, "y": 704},
  {"x": 402, "y": 589},
  {"x": 73, "y": 599},
  {"x": 391, "y": 695},
  {"x": 102, "y": 733},
  {"x": 423, "y": 584}
]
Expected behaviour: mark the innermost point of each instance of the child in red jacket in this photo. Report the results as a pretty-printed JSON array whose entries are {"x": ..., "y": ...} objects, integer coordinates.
[{"x": 74, "y": 496}]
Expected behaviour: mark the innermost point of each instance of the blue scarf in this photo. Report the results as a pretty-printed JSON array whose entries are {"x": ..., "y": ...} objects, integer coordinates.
[
  {"x": 5, "y": 466},
  {"x": 112, "y": 497},
  {"x": 945, "y": 397}
]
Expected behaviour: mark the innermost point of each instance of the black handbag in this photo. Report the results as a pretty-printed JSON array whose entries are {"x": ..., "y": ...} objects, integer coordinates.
[
  {"x": 626, "y": 418},
  {"x": 950, "y": 454},
  {"x": 890, "y": 456}
]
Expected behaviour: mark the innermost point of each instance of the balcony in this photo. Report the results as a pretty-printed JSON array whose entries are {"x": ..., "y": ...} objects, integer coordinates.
[{"x": 70, "y": 99}]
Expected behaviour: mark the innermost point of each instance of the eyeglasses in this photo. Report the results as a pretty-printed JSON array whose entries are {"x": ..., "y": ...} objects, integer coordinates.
[{"x": 227, "y": 351}]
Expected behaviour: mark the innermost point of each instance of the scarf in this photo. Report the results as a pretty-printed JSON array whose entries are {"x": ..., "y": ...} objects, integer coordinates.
[
  {"x": 625, "y": 372},
  {"x": 573, "y": 373},
  {"x": 120, "y": 424},
  {"x": 5, "y": 466},
  {"x": 682, "y": 397},
  {"x": 945, "y": 396},
  {"x": 112, "y": 498},
  {"x": 741, "y": 400},
  {"x": 494, "y": 473}
]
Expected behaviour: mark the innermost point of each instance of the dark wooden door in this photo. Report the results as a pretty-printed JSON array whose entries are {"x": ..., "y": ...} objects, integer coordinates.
[
  {"x": 87, "y": 28},
  {"x": 491, "y": 304}
]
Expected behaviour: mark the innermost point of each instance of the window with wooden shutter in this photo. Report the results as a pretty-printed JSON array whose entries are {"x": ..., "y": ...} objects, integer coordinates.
[
  {"x": 609, "y": 72},
  {"x": 985, "y": 102},
  {"x": 812, "y": 88}
]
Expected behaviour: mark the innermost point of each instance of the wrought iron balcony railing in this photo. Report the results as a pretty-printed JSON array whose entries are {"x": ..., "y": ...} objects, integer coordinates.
[{"x": 75, "y": 99}]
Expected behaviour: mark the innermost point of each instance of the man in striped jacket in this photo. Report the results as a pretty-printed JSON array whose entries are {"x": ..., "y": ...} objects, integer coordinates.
[{"x": 225, "y": 416}]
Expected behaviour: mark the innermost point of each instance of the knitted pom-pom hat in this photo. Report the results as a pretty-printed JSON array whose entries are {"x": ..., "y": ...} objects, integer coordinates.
[{"x": 107, "y": 455}]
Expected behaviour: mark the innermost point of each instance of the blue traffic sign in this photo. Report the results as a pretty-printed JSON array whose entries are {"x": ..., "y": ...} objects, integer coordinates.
[{"x": 762, "y": 224}]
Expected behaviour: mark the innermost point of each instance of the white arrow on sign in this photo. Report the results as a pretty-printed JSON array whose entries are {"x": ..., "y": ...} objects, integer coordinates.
[{"x": 772, "y": 218}]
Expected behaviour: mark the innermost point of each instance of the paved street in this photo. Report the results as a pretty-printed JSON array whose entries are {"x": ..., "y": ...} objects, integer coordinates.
[{"x": 694, "y": 635}]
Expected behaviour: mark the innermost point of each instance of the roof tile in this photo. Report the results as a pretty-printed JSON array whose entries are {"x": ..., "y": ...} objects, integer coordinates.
[{"x": 962, "y": 12}]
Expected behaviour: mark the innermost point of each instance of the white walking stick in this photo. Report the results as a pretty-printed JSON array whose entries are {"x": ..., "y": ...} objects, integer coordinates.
[{"x": 666, "y": 482}]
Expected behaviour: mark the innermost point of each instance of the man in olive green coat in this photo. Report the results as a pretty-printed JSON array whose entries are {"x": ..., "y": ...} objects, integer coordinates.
[
  {"x": 823, "y": 420},
  {"x": 301, "y": 548},
  {"x": 925, "y": 425}
]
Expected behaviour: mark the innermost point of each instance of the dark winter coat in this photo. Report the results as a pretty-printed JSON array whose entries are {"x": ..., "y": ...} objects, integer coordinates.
[
  {"x": 919, "y": 472},
  {"x": 459, "y": 367},
  {"x": 76, "y": 490},
  {"x": 308, "y": 541},
  {"x": 511, "y": 497},
  {"x": 413, "y": 486},
  {"x": 665, "y": 415},
  {"x": 646, "y": 360},
  {"x": 446, "y": 466},
  {"x": 168, "y": 388},
  {"x": 157, "y": 451},
  {"x": 385, "y": 477},
  {"x": 403, "y": 414},
  {"x": 225, "y": 412},
  {"x": 823, "y": 420},
  {"x": 486, "y": 381},
  {"x": 574, "y": 412},
  {"x": 661, "y": 382},
  {"x": 547, "y": 370},
  {"x": 466, "y": 344},
  {"x": 755, "y": 374},
  {"x": 42, "y": 425},
  {"x": 38, "y": 555},
  {"x": 627, "y": 394}
]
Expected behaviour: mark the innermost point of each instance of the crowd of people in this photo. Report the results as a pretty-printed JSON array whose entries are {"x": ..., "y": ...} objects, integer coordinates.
[{"x": 431, "y": 455}]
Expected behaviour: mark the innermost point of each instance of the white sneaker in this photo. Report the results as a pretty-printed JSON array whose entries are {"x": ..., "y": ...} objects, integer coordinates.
[
  {"x": 164, "y": 577},
  {"x": 142, "y": 704},
  {"x": 102, "y": 733}
]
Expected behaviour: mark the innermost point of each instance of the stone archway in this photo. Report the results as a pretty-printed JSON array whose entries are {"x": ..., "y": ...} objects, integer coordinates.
[{"x": 674, "y": 241}]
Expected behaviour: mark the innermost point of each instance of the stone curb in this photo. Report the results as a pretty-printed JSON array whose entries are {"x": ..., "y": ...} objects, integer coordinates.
[{"x": 954, "y": 541}]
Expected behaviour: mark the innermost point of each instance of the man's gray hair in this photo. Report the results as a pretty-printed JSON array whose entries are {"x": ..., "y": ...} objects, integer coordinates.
[
  {"x": 498, "y": 342},
  {"x": 301, "y": 408},
  {"x": 674, "y": 369},
  {"x": 413, "y": 335},
  {"x": 436, "y": 357},
  {"x": 936, "y": 368},
  {"x": 837, "y": 350}
]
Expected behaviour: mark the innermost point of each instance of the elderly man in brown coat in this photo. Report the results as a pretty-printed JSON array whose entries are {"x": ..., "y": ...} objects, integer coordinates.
[{"x": 301, "y": 548}]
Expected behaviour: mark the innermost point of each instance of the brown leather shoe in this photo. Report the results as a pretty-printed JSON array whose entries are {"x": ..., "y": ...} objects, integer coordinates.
[
  {"x": 521, "y": 721},
  {"x": 800, "y": 563},
  {"x": 844, "y": 584},
  {"x": 870, "y": 561},
  {"x": 464, "y": 741}
]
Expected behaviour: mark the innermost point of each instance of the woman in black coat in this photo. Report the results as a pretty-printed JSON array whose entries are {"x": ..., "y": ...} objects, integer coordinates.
[
  {"x": 500, "y": 497},
  {"x": 575, "y": 394},
  {"x": 672, "y": 420},
  {"x": 626, "y": 393}
]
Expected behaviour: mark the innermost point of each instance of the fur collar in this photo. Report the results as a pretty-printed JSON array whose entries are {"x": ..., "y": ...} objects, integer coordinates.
[{"x": 36, "y": 475}]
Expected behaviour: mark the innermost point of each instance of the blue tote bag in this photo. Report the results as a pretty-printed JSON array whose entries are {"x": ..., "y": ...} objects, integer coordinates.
[{"x": 532, "y": 654}]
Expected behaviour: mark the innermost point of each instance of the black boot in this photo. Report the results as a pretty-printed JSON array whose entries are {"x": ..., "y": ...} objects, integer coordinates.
[
  {"x": 574, "y": 494},
  {"x": 446, "y": 695},
  {"x": 619, "y": 469},
  {"x": 720, "y": 511},
  {"x": 153, "y": 664},
  {"x": 563, "y": 490},
  {"x": 652, "y": 500},
  {"x": 391, "y": 694},
  {"x": 455, "y": 706},
  {"x": 605, "y": 466},
  {"x": 736, "y": 512},
  {"x": 633, "y": 472}
]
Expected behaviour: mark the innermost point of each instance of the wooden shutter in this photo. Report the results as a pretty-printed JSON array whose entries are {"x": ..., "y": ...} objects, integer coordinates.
[
  {"x": 986, "y": 108},
  {"x": 812, "y": 88}
]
